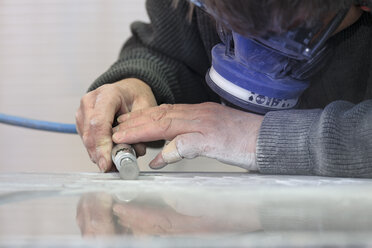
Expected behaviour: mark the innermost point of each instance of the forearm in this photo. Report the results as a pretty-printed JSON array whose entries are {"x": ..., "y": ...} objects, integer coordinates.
[
  {"x": 336, "y": 141},
  {"x": 142, "y": 64},
  {"x": 168, "y": 55}
]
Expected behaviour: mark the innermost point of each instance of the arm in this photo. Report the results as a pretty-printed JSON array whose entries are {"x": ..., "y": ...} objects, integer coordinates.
[
  {"x": 336, "y": 141},
  {"x": 167, "y": 54}
]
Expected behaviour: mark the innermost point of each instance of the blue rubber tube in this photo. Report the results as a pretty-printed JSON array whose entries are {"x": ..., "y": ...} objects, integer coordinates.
[{"x": 37, "y": 124}]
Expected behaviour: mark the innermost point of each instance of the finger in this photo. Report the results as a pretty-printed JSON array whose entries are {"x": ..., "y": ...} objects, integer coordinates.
[
  {"x": 143, "y": 102},
  {"x": 86, "y": 104},
  {"x": 158, "y": 111},
  {"x": 140, "y": 149},
  {"x": 168, "y": 155},
  {"x": 132, "y": 216},
  {"x": 183, "y": 146},
  {"x": 166, "y": 129},
  {"x": 140, "y": 112},
  {"x": 98, "y": 126},
  {"x": 85, "y": 109},
  {"x": 97, "y": 140},
  {"x": 103, "y": 153},
  {"x": 156, "y": 116},
  {"x": 108, "y": 102}
]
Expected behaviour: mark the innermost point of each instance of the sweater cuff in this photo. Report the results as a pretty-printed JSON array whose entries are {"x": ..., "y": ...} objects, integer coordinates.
[
  {"x": 283, "y": 142},
  {"x": 148, "y": 69}
]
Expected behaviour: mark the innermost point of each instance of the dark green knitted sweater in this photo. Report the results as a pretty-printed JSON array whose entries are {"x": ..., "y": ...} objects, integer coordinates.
[{"x": 329, "y": 134}]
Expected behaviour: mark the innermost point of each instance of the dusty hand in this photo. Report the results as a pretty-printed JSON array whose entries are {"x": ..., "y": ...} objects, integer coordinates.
[
  {"x": 94, "y": 215},
  {"x": 97, "y": 111},
  {"x": 144, "y": 220},
  {"x": 207, "y": 129}
]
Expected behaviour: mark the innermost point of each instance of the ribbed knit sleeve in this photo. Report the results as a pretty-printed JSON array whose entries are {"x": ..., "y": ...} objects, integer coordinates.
[
  {"x": 167, "y": 54},
  {"x": 336, "y": 141}
]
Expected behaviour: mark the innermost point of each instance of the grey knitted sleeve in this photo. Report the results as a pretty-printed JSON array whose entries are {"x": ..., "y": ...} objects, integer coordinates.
[
  {"x": 336, "y": 141},
  {"x": 167, "y": 54}
]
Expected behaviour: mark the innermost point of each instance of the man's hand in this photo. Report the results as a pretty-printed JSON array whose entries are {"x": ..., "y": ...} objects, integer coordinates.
[
  {"x": 165, "y": 214},
  {"x": 94, "y": 215},
  {"x": 207, "y": 129},
  {"x": 97, "y": 111},
  {"x": 145, "y": 220}
]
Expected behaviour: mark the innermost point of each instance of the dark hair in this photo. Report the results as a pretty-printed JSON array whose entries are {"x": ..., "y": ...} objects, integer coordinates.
[
  {"x": 261, "y": 17},
  {"x": 191, "y": 9}
]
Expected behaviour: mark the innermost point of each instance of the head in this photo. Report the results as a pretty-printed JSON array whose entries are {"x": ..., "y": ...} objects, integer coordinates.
[
  {"x": 266, "y": 17},
  {"x": 272, "y": 48}
]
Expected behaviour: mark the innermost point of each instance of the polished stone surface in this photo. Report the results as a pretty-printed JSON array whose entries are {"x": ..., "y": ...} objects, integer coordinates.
[{"x": 183, "y": 210}]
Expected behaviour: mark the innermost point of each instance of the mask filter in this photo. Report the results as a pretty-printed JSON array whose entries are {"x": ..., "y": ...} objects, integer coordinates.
[{"x": 254, "y": 77}]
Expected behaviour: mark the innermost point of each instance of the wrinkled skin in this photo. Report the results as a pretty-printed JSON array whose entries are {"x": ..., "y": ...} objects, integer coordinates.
[
  {"x": 208, "y": 129},
  {"x": 96, "y": 114}
]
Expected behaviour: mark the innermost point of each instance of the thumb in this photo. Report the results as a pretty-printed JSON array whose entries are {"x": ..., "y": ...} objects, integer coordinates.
[{"x": 183, "y": 146}]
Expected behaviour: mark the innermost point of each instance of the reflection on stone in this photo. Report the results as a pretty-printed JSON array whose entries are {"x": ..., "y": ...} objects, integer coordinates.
[
  {"x": 193, "y": 212},
  {"x": 214, "y": 207},
  {"x": 163, "y": 215}
]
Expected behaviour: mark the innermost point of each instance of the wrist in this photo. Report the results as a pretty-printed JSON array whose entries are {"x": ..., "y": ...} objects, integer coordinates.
[{"x": 255, "y": 126}]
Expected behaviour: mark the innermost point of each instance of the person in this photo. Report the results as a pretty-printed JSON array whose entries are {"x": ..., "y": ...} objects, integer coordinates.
[{"x": 157, "y": 90}]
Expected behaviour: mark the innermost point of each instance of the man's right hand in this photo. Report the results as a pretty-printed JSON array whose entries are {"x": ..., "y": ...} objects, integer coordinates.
[{"x": 97, "y": 111}]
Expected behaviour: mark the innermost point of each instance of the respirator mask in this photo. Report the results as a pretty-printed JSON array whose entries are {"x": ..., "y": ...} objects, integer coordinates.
[{"x": 261, "y": 74}]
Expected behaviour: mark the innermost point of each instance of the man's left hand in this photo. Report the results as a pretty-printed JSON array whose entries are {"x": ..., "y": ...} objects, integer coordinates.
[{"x": 208, "y": 129}]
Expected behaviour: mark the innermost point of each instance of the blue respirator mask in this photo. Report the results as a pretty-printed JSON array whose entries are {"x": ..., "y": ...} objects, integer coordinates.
[{"x": 261, "y": 74}]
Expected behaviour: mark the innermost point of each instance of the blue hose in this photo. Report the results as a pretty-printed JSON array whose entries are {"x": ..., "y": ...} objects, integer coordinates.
[{"x": 37, "y": 124}]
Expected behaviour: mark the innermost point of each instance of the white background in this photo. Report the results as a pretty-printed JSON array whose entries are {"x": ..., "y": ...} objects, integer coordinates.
[{"x": 50, "y": 52}]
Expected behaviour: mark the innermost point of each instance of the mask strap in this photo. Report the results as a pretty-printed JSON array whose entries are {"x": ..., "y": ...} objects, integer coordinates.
[
  {"x": 340, "y": 16},
  {"x": 226, "y": 38}
]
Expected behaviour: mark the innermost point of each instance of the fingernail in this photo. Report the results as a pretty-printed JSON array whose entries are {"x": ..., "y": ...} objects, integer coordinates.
[
  {"x": 157, "y": 162},
  {"x": 120, "y": 119},
  {"x": 118, "y": 136},
  {"x": 115, "y": 137},
  {"x": 115, "y": 129},
  {"x": 123, "y": 117},
  {"x": 102, "y": 164}
]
